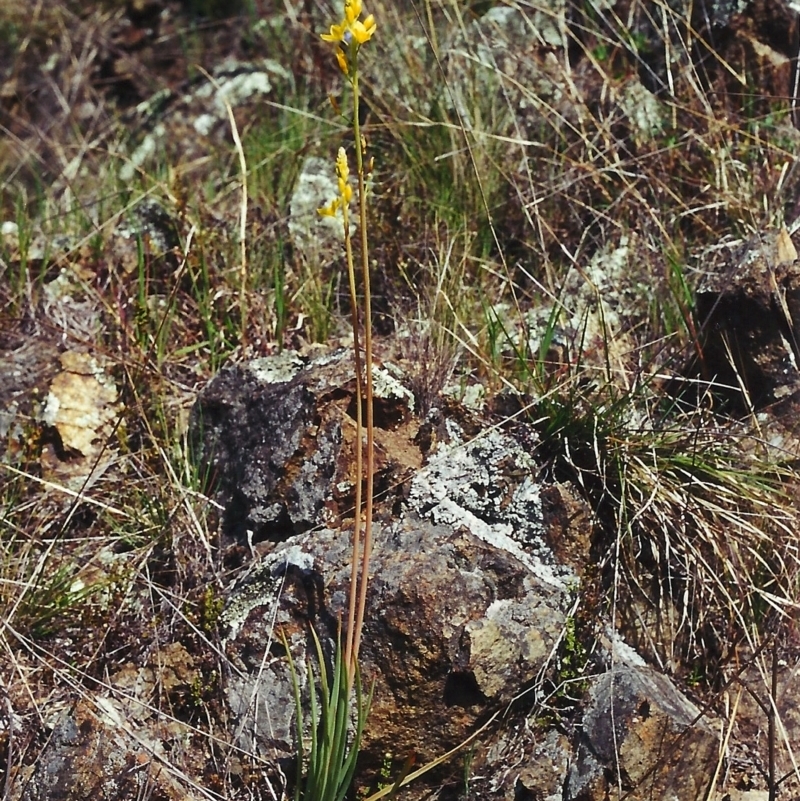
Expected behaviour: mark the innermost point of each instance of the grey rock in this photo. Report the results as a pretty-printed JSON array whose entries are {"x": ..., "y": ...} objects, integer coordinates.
[
  {"x": 189, "y": 119},
  {"x": 471, "y": 583},
  {"x": 151, "y": 222},
  {"x": 489, "y": 485},
  {"x": 258, "y": 430},
  {"x": 643, "y": 737},
  {"x": 466, "y": 604},
  {"x": 319, "y": 239},
  {"x": 455, "y": 626},
  {"x": 527, "y": 761},
  {"x": 276, "y": 435},
  {"x": 507, "y": 54},
  {"x": 27, "y": 365}
]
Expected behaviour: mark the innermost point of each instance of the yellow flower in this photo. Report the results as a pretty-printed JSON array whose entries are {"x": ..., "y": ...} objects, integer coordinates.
[
  {"x": 351, "y": 28},
  {"x": 342, "y": 59},
  {"x": 352, "y": 10},
  {"x": 363, "y": 31},
  {"x": 337, "y": 33},
  {"x": 331, "y": 209}
]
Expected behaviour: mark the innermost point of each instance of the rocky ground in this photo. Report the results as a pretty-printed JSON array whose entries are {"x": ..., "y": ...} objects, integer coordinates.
[{"x": 587, "y": 289}]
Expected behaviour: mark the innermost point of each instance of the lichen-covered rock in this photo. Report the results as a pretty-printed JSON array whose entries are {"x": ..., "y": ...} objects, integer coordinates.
[
  {"x": 188, "y": 120},
  {"x": 488, "y": 484},
  {"x": 592, "y": 324},
  {"x": 27, "y": 366},
  {"x": 276, "y": 436},
  {"x": 465, "y": 607},
  {"x": 508, "y": 52},
  {"x": 641, "y": 737},
  {"x": 471, "y": 582},
  {"x": 527, "y": 761},
  {"x": 318, "y": 238},
  {"x": 455, "y": 626}
]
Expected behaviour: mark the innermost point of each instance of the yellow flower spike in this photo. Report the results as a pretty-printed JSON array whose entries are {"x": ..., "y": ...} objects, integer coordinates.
[{"x": 342, "y": 167}]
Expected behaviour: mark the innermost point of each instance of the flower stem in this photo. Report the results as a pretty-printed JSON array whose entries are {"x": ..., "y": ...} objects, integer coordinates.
[
  {"x": 370, "y": 455},
  {"x": 351, "y": 613}
]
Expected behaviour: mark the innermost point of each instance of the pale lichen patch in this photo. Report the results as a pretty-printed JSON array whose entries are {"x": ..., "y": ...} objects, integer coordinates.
[
  {"x": 487, "y": 486},
  {"x": 262, "y": 586}
]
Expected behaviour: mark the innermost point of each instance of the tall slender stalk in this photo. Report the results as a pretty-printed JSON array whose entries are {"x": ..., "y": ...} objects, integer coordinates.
[
  {"x": 327, "y": 772},
  {"x": 370, "y": 455},
  {"x": 350, "y": 34},
  {"x": 354, "y": 567}
]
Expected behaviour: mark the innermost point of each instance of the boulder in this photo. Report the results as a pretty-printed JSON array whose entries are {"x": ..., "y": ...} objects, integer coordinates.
[
  {"x": 466, "y": 605},
  {"x": 475, "y": 567},
  {"x": 641, "y": 738},
  {"x": 455, "y": 626},
  {"x": 275, "y": 436}
]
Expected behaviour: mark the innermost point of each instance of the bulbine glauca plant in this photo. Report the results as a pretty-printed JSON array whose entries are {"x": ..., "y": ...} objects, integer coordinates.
[{"x": 325, "y": 771}]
